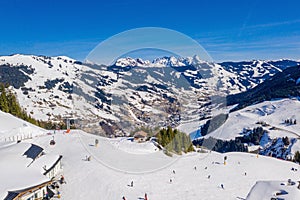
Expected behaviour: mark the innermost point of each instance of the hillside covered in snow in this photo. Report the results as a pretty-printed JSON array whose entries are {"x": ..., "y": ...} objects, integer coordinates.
[
  {"x": 268, "y": 128},
  {"x": 114, "y": 100}
]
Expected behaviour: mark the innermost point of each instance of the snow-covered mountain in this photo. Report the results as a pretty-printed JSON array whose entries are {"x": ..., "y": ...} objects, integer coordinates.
[
  {"x": 249, "y": 73},
  {"x": 132, "y": 92},
  {"x": 284, "y": 84},
  {"x": 54, "y": 87},
  {"x": 256, "y": 71},
  {"x": 158, "y": 62}
]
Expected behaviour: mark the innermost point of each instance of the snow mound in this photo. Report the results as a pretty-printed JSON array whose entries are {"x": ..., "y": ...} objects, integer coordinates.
[{"x": 274, "y": 189}]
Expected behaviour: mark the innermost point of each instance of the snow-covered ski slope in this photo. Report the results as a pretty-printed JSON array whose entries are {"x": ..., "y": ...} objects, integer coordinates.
[
  {"x": 117, "y": 162},
  {"x": 12, "y": 128},
  {"x": 111, "y": 170}
]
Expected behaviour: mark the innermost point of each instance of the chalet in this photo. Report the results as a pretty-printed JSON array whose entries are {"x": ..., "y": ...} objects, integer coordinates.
[
  {"x": 27, "y": 171},
  {"x": 31, "y": 193},
  {"x": 140, "y": 136}
]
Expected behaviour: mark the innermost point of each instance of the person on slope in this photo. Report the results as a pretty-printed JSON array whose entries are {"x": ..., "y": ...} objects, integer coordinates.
[
  {"x": 62, "y": 180},
  {"x": 146, "y": 197},
  {"x": 123, "y": 198}
]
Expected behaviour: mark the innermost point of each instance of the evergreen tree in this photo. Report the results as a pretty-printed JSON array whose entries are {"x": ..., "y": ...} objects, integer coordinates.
[
  {"x": 3, "y": 99},
  {"x": 174, "y": 141},
  {"x": 14, "y": 107}
]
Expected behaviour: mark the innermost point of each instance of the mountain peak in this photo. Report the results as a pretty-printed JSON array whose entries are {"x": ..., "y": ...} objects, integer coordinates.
[{"x": 166, "y": 61}]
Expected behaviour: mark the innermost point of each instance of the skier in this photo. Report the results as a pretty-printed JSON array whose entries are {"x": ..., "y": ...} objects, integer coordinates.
[
  {"x": 225, "y": 158},
  {"x": 62, "y": 179},
  {"x": 208, "y": 177},
  {"x": 170, "y": 180},
  {"x": 123, "y": 198},
  {"x": 195, "y": 168},
  {"x": 174, "y": 172},
  {"x": 222, "y": 186},
  {"x": 245, "y": 173},
  {"x": 131, "y": 185},
  {"x": 146, "y": 198}
]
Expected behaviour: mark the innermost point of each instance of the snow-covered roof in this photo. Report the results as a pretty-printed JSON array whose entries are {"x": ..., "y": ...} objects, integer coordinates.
[
  {"x": 13, "y": 194},
  {"x": 18, "y": 171}
]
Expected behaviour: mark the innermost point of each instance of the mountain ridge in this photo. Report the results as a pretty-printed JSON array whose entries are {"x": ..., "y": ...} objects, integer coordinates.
[{"x": 51, "y": 88}]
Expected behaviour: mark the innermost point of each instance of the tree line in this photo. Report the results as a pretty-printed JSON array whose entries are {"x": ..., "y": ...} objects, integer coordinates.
[{"x": 235, "y": 145}]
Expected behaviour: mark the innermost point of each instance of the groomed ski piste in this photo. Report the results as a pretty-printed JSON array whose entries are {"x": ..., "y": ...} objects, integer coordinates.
[{"x": 115, "y": 163}]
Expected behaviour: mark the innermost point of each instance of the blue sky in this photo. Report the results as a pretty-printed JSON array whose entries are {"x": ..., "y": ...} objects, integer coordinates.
[{"x": 228, "y": 30}]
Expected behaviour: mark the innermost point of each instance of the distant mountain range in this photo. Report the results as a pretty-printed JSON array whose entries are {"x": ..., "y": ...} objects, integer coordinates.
[{"x": 114, "y": 100}]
